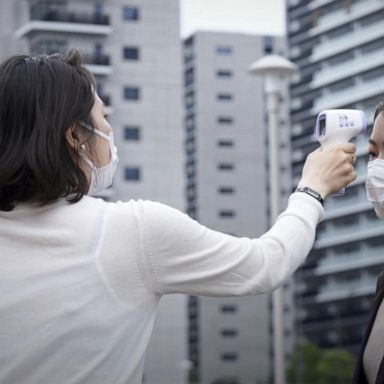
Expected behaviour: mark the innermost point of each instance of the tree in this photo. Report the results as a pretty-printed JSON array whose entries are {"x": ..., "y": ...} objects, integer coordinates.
[
  {"x": 310, "y": 365},
  {"x": 335, "y": 367},
  {"x": 303, "y": 365}
]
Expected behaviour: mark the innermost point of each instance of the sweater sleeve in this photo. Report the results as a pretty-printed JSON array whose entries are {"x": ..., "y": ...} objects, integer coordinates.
[{"x": 182, "y": 256}]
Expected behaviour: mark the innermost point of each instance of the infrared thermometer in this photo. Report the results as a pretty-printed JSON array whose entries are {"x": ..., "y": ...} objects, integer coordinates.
[{"x": 339, "y": 126}]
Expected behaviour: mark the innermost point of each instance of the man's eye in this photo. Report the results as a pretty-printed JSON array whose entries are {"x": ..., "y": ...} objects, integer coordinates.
[{"x": 371, "y": 155}]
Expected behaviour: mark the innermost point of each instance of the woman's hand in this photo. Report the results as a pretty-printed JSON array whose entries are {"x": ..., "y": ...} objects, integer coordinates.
[{"x": 329, "y": 170}]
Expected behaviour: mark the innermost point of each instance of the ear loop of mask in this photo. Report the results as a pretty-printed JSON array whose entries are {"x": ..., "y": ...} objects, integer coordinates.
[
  {"x": 97, "y": 132},
  {"x": 104, "y": 173}
]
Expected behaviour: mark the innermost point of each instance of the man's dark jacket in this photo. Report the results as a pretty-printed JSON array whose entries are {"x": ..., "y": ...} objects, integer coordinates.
[{"x": 358, "y": 375}]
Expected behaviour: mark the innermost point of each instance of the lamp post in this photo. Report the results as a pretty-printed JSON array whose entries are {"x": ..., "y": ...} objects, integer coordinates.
[{"x": 272, "y": 68}]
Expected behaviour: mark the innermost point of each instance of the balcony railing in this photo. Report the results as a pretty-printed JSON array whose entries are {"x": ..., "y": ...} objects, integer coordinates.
[
  {"x": 98, "y": 64},
  {"x": 99, "y": 59},
  {"x": 48, "y": 19},
  {"x": 70, "y": 17}
]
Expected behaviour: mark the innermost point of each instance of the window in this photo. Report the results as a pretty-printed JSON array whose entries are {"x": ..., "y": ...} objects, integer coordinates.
[
  {"x": 370, "y": 215},
  {"x": 229, "y": 356},
  {"x": 225, "y": 120},
  {"x": 372, "y": 46},
  {"x": 268, "y": 44},
  {"x": 131, "y": 53},
  {"x": 190, "y": 144},
  {"x": 226, "y": 143},
  {"x": 375, "y": 242},
  {"x": 190, "y": 169},
  {"x": 131, "y": 93},
  {"x": 348, "y": 248},
  {"x": 191, "y": 194},
  {"x": 340, "y": 31},
  {"x": 132, "y": 173},
  {"x": 227, "y": 190},
  {"x": 227, "y": 213},
  {"x": 372, "y": 18},
  {"x": 132, "y": 133},
  {"x": 224, "y": 96},
  {"x": 229, "y": 332},
  {"x": 131, "y": 13},
  {"x": 224, "y": 73},
  {"x": 48, "y": 10},
  {"x": 49, "y": 46},
  {"x": 341, "y": 58},
  {"x": 190, "y": 122},
  {"x": 346, "y": 221},
  {"x": 189, "y": 77},
  {"x": 189, "y": 100},
  {"x": 226, "y": 380},
  {"x": 224, "y": 50},
  {"x": 226, "y": 166},
  {"x": 228, "y": 308},
  {"x": 372, "y": 74},
  {"x": 342, "y": 85}
]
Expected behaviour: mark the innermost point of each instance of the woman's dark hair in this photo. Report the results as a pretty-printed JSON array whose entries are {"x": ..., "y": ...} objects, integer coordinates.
[
  {"x": 379, "y": 109},
  {"x": 40, "y": 98}
]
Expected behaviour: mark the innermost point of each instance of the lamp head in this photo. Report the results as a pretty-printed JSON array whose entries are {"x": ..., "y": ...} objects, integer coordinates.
[{"x": 273, "y": 65}]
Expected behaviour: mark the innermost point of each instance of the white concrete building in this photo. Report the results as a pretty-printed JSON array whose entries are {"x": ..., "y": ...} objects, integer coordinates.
[{"x": 227, "y": 190}]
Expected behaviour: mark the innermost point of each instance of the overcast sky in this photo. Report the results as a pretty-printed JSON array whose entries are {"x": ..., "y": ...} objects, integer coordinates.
[{"x": 249, "y": 16}]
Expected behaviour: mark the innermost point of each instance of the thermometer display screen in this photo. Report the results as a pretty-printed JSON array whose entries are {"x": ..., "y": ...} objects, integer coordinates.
[{"x": 322, "y": 128}]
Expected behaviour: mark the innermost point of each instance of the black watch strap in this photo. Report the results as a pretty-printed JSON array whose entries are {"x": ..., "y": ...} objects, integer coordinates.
[{"x": 311, "y": 192}]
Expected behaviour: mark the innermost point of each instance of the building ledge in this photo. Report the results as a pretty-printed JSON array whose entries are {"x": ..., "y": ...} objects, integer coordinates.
[
  {"x": 58, "y": 26},
  {"x": 347, "y": 264},
  {"x": 101, "y": 70},
  {"x": 346, "y": 293}
]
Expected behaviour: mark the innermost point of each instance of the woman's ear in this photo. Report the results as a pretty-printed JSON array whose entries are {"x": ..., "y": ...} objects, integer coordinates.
[{"x": 72, "y": 137}]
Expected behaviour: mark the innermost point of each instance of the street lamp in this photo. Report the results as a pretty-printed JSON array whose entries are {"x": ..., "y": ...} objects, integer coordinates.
[{"x": 273, "y": 68}]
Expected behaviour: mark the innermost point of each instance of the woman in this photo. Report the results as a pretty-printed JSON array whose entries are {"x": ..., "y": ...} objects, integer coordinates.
[
  {"x": 80, "y": 278},
  {"x": 370, "y": 363}
]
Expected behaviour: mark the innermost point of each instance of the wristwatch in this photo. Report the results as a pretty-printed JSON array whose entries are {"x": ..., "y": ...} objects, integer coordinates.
[{"x": 311, "y": 192}]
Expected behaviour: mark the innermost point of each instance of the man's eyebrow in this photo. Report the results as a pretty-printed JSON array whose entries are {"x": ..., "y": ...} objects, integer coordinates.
[{"x": 370, "y": 141}]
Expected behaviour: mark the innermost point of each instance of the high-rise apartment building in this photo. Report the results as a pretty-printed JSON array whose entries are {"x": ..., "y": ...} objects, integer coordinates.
[
  {"x": 133, "y": 49},
  {"x": 339, "y": 48},
  {"x": 227, "y": 178}
]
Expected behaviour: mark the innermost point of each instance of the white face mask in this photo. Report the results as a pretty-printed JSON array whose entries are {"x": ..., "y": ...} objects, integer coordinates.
[
  {"x": 375, "y": 186},
  {"x": 101, "y": 178}
]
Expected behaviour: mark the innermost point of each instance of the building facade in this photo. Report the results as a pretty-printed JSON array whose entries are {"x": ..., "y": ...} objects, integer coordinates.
[
  {"x": 227, "y": 177},
  {"x": 339, "y": 48},
  {"x": 133, "y": 49}
]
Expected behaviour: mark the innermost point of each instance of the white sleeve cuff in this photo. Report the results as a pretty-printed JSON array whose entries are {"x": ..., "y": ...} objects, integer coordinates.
[{"x": 309, "y": 208}]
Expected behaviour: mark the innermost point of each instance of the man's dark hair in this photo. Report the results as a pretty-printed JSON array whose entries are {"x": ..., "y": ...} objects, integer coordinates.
[{"x": 40, "y": 98}]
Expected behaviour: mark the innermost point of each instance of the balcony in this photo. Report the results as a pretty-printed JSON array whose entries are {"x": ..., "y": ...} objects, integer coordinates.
[
  {"x": 98, "y": 64},
  {"x": 354, "y": 260},
  {"x": 343, "y": 291},
  {"x": 53, "y": 20},
  {"x": 360, "y": 91},
  {"x": 349, "y": 68},
  {"x": 347, "y": 234},
  {"x": 346, "y": 42},
  {"x": 344, "y": 15}
]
